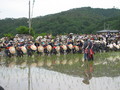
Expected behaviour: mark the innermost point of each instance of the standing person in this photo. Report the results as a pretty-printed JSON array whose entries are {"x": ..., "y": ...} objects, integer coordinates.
[
  {"x": 88, "y": 52},
  {"x": 37, "y": 44},
  {"x": 88, "y": 58},
  {"x": 18, "y": 48},
  {"x": 29, "y": 50},
  {"x": 85, "y": 50},
  {"x": 7, "y": 45},
  {"x": 80, "y": 45}
]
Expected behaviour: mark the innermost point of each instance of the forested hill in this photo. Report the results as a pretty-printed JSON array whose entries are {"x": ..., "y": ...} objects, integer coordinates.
[{"x": 79, "y": 20}]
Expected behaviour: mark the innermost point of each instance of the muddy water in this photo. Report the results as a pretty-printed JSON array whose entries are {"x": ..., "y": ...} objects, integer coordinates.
[{"x": 60, "y": 73}]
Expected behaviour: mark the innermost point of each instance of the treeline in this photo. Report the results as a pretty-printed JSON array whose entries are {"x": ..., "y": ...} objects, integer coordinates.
[{"x": 80, "y": 20}]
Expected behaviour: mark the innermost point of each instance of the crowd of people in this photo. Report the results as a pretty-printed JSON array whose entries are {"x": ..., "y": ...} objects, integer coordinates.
[{"x": 61, "y": 44}]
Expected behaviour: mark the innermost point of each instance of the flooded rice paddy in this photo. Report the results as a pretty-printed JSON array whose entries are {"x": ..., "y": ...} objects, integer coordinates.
[{"x": 65, "y": 72}]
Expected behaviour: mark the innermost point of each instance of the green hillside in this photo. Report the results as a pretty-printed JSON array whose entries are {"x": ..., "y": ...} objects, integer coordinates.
[{"x": 79, "y": 20}]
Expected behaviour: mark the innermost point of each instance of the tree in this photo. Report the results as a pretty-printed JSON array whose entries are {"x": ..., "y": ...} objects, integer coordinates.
[
  {"x": 25, "y": 30},
  {"x": 9, "y": 35}
]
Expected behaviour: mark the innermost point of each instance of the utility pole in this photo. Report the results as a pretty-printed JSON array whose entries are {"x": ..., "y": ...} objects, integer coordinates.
[{"x": 29, "y": 18}]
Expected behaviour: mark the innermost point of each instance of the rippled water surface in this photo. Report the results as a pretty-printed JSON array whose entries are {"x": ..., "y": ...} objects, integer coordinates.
[{"x": 65, "y": 72}]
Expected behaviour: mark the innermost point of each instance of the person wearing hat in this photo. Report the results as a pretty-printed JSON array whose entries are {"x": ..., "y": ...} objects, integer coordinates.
[
  {"x": 87, "y": 48},
  {"x": 7, "y": 45},
  {"x": 80, "y": 45},
  {"x": 28, "y": 46},
  {"x": 37, "y": 44},
  {"x": 18, "y": 48}
]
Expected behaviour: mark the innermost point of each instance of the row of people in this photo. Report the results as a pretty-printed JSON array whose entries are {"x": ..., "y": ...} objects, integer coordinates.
[
  {"x": 30, "y": 47},
  {"x": 77, "y": 44}
]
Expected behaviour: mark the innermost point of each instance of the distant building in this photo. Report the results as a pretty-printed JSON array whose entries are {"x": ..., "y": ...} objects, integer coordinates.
[{"x": 108, "y": 31}]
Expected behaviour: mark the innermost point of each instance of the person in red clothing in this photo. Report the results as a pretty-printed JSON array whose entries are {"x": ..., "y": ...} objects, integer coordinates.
[
  {"x": 29, "y": 50},
  {"x": 7, "y": 45},
  {"x": 88, "y": 51}
]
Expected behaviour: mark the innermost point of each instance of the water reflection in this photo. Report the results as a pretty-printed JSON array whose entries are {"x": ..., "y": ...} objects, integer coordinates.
[
  {"x": 49, "y": 80},
  {"x": 88, "y": 65},
  {"x": 59, "y": 73}
]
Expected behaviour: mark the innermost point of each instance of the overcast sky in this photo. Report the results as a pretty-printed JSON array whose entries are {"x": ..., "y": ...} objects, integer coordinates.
[{"x": 19, "y": 8}]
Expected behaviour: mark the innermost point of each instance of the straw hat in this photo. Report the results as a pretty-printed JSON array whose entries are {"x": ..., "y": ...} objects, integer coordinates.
[
  {"x": 30, "y": 42},
  {"x": 58, "y": 48},
  {"x": 82, "y": 41},
  {"x": 33, "y": 47},
  {"x": 76, "y": 48},
  {"x": 70, "y": 46},
  {"x": 12, "y": 50},
  {"x": 52, "y": 40},
  {"x": 49, "y": 48},
  {"x": 37, "y": 41},
  {"x": 24, "y": 50},
  {"x": 40, "y": 49},
  {"x": 64, "y": 47}
]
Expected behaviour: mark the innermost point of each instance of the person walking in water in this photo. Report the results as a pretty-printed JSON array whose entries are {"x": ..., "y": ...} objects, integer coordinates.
[
  {"x": 87, "y": 49},
  {"x": 88, "y": 60}
]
